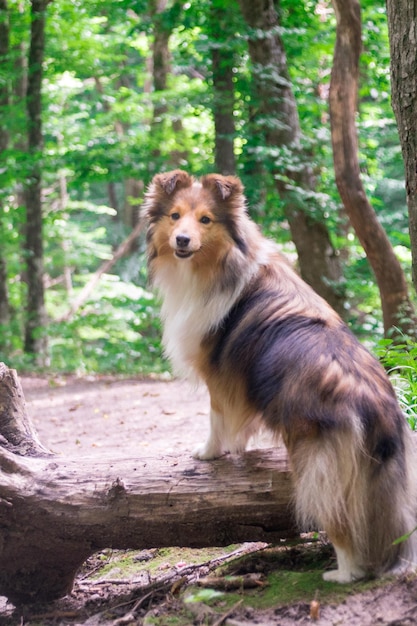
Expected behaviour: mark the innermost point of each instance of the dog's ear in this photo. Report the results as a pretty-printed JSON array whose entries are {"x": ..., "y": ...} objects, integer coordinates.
[
  {"x": 223, "y": 187},
  {"x": 227, "y": 192},
  {"x": 161, "y": 188},
  {"x": 171, "y": 181}
]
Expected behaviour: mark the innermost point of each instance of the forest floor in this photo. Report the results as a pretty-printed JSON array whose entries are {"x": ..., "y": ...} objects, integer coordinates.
[{"x": 249, "y": 583}]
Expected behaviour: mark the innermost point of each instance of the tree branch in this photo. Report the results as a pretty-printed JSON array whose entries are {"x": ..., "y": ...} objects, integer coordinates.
[{"x": 103, "y": 269}]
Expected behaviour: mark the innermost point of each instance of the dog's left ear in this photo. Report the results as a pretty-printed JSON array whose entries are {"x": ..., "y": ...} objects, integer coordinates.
[{"x": 223, "y": 187}]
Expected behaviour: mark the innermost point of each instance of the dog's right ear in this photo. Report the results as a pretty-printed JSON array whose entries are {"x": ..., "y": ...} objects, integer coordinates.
[
  {"x": 161, "y": 188},
  {"x": 171, "y": 181}
]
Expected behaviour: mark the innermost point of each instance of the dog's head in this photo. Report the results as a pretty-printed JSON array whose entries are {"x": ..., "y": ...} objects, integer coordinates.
[{"x": 193, "y": 219}]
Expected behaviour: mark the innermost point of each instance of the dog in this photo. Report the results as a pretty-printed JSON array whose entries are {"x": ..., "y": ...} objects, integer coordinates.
[{"x": 273, "y": 353}]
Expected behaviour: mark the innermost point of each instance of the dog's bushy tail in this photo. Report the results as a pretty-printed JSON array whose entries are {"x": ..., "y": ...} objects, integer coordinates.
[{"x": 365, "y": 505}]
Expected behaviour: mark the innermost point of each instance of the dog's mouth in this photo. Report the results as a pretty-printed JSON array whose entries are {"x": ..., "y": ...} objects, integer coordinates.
[{"x": 183, "y": 254}]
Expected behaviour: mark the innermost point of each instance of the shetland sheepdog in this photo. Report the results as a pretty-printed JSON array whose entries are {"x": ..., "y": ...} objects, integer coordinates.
[{"x": 273, "y": 353}]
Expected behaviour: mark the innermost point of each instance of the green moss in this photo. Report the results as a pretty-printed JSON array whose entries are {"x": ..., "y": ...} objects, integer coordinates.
[
  {"x": 128, "y": 563},
  {"x": 291, "y": 575},
  {"x": 287, "y": 587}
]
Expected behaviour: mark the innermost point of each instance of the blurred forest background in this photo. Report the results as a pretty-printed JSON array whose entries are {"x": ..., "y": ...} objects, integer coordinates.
[{"x": 97, "y": 96}]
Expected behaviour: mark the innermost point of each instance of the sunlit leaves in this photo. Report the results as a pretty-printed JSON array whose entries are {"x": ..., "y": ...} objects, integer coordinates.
[{"x": 98, "y": 103}]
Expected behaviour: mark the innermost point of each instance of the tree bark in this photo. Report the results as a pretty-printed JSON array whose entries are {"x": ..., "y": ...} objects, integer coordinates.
[
  {"x": 133, "y": 189},
  {"x": 55, "y": 512},
  {"x": 402, "y": 29},
  {"x": 4, "y": 141},
  {"x": 4, "y": 293},
  {"x": 165, "y": 18},
  {"x": 397, "y": 309},
  {"x": 278, "y": 123},
  {"x": 133, "y": 199},
  {"x": 35, "y": 339},
  {"x": 222, "y": 63}
]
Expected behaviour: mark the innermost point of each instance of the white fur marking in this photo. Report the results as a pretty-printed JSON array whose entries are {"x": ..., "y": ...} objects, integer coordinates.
[
  {"x": 188, "y": 314},
  {"x": 213, "y": 448},
  {"x": 346, "y": 571}
]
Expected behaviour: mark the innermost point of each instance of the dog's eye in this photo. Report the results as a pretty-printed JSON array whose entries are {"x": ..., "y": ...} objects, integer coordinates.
[
  {"x": 175, "y": 216},
  {"x": 205, "y": 219}
]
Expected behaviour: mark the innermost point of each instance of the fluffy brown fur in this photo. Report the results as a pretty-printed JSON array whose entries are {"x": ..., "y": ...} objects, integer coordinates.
[{"x": 273, "y": 353}]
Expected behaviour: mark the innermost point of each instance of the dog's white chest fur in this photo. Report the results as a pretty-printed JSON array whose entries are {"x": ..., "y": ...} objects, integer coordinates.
[{"x": 189, "y": 311}]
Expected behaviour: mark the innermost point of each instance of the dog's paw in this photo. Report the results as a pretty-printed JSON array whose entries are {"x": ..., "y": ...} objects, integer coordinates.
[
  {"x": 341, "y": 576},
  {"x": 205, "y": 452}
]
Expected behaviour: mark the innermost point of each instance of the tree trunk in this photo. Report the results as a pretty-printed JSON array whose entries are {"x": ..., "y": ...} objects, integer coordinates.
[
  {"x": 397, "y": 309},
  {"x": 133, "y": 199},
  {"x": 4, "y": 295},
  {"x": 4, "y": 141},
  {"x": 222, "y": 62},
  {"x": 402, "y": 28},
  {"x": 165, "y": 19},
  {"x": 133, "y": 189},
  {"x": 35, "y": 338},
  {"x": 55, "y": 512},
  {"x": 278, "y": 124}
]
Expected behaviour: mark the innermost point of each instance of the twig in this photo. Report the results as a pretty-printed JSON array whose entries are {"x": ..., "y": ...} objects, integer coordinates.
[
  {"x": 56, "y": 615},
  {"x": 221, "y": 619},
  {"x": 245, "y": 581},
  {"x": 113, "y": 581},
  {"x": 95, "y": 569},
  {"x": 226, "y": 557},
  {"x": 130, "y": 616},
  {"x": 104, "y": 267}
]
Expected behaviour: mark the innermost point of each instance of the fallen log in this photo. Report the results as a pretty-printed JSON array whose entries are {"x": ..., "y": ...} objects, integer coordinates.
[{"x": 56, "y": 511}]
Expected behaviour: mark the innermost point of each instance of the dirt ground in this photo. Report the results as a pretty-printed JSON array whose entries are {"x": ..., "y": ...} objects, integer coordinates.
[
  {"x": 114, "y": 417},
  {"x": 103, "y": 415}
]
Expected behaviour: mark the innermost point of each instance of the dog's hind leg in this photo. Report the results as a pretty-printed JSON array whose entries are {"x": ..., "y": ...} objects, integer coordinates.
[
  {"x": 364, "y": 503},
  {"x": 347, "y": 570},
  {"x": 329, "y": 495}
]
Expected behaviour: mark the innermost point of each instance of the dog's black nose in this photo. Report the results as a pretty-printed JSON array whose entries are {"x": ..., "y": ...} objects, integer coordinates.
[{"x": 182, "y": 241}]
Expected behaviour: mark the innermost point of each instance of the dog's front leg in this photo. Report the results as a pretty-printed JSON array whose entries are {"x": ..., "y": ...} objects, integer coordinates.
[{"x": 214, "y": 446}]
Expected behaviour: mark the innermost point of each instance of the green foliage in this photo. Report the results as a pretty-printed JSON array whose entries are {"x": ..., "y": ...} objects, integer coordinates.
[
  {"x": 400, "y": 360},
  {"x": 118, "y": 331},
  {"x": 99, "y": 131},
  {"x": 203, "y": 595}
]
